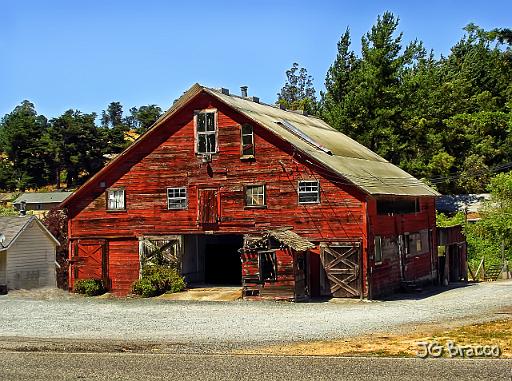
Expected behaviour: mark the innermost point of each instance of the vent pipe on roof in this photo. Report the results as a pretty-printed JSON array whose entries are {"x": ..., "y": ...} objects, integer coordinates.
[{"x": 243, "y": 90}]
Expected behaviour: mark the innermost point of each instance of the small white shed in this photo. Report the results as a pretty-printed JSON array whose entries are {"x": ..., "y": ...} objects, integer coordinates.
[{"x": 27, "y": 254}]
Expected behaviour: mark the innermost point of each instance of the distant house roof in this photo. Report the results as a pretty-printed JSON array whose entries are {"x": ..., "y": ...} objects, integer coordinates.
[
  {"x": 330, "y": 149},
  {"x": 12, "y": 227},
  {"x": 42, "y": 197},
  {"x": 465, "y": 203}
]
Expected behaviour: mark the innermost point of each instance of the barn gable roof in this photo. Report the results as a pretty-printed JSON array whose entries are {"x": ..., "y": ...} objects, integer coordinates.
[
  {"x": 13, "y": 227},
  {"x": 316, "y": 139}
]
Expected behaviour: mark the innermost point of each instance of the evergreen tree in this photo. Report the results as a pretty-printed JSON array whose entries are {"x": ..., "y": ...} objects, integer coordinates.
[{"x": 298, "y": 92}]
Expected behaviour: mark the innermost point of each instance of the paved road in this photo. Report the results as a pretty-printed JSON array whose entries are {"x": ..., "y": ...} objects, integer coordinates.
[
  {"x": 58, "y": 366},
  {"x": 238, "y": 323}
]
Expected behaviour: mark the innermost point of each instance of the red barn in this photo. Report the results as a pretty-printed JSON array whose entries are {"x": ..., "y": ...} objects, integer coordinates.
[{"x": 241, "y": 192}]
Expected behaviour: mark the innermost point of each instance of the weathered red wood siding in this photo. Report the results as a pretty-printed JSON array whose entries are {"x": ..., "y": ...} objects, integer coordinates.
[
  {"x": 385, "y": 277},
  {"x": 167, "y": 159},
  {"x": 123, "y": 265}
]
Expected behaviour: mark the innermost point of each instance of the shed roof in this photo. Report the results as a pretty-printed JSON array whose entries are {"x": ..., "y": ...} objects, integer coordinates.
[
  {"x": 284, "y": 236},
  {"x": 12, "y": 227},
  {"x": 42, "y": 197}
]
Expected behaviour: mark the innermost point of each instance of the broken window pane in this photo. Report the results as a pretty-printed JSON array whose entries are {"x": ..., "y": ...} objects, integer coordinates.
[
  {"x": 247, "y": 140},
  {"x": 201, "y": 122},
  {"x": 206, "y": 133},
  {"x": 309, "y": 192},
  {"x": 177, "y": 198},
  {"x": 210, "y": 121},
  {"x": 268, "y": 266}
]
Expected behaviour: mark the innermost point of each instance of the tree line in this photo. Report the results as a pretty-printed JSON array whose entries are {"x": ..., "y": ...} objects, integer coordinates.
[
  {"x": 37, "y": 152},
  {"x": 446, "y": 120}
]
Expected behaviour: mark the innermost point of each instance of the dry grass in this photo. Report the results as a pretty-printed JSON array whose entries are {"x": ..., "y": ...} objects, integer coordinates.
[{"x": 492, "y": 333}]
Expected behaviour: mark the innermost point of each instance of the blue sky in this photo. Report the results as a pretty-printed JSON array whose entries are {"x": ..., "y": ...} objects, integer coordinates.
[{"x": 86, "y": 54}]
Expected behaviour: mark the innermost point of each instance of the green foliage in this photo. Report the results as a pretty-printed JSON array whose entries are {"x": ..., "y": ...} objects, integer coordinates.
[
  {"x": 486, "y": 236},
  {"x": 35, "y": 152},
  {"x": 157, "y": 280},
  {"x": 89, "y": 287},
  {"x": 442, "y": 221},
  {"x": 298, "y": 92},
  {"x": 5, "y": 211},
  {"x": 23, "y": 141},
  {"x": 446, "y": 119}
]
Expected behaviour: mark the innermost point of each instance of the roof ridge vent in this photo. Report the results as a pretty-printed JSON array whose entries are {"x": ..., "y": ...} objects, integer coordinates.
[
  {"x": 224, "y": 91},
  {"x": 255, "y": 99}
]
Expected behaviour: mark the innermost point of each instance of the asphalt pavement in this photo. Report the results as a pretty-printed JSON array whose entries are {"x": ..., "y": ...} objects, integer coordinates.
[{"x": 128, "y": 366}]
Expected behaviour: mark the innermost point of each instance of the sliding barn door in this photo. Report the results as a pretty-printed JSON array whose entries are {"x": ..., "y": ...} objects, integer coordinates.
[{"x": 341, "y": 275}]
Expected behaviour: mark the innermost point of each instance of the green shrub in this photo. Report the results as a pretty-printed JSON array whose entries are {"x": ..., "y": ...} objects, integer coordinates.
[
  {"x": 157, "y": 280},
  {"x": 89, "y": 287},
  {"x": 145, "y": 287}
]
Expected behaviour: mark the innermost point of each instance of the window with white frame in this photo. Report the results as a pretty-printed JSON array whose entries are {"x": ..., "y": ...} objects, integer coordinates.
[
  {"x": 115, "y": 199},
  {"x": 206, "y": 132},
  {"x": 378, "y": 249},
  {"x": 177, "y": 198},
  {"x": 309, "y": 192},
  {"x": 247, "y": 141},
  {"x": 255, "y": 195}
]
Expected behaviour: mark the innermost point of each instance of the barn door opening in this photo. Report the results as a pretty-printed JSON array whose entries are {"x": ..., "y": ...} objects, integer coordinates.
[
  {"x": 208, "y": 207},
  {"x": 90, "y": 260},
  {"x": 222, "y": 263},
  {"x": 341, "y": 275}
]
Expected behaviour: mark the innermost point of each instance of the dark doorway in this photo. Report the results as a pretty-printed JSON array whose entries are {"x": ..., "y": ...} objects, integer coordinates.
[{"x": 222, "y": 259}]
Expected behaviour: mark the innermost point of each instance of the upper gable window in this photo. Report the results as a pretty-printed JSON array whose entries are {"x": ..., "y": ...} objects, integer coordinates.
[
  {"x": 206, "y": 131},
  {"x": 247, "y": 141},
  {"x": 309, "y": 192},
  {"x": 115, "y": 199}
]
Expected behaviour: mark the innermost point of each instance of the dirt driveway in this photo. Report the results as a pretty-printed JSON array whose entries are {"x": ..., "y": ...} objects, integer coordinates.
[{"x": 60, "y": 316}]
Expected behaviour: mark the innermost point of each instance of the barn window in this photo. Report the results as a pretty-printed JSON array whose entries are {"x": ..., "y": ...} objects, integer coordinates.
[
  {"x": 115, "y": 199},
  {"x": 378, "y": 249},
  {"x": 255, "y": 195},
  {"x": 247, "y": 141},
  {"x": 397, "y": 206},
  {"x": 177, "y": 198},
  {"x": 206, "y": 132},
  {"x": 309, "y": 192},
  {"x": 268, "y": 265}
]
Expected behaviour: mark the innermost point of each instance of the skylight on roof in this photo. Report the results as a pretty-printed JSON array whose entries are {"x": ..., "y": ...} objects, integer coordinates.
[{"x": 301, "y": 134}]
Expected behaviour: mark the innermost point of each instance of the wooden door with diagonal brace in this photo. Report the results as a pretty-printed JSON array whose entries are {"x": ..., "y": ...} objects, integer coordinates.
[
  {"x": 89, "y": 260},
  {"x": 341, "y": 275}
]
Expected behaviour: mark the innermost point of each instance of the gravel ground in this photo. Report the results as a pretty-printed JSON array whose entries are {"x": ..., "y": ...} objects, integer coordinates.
[{"x": 58, "y": 315}]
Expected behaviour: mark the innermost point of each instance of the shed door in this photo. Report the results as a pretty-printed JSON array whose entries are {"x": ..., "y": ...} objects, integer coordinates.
[
  {"x": 90, "y": 260},
  {"x": 341, "y": 275},
  {"x": 208, "y": 206}
]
